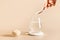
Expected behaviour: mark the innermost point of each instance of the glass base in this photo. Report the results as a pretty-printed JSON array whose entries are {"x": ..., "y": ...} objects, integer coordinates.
[{"x": 36, "y": 33}]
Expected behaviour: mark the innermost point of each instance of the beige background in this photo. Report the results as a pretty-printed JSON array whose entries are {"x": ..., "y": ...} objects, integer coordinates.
[{"x": 16, "y": 14}]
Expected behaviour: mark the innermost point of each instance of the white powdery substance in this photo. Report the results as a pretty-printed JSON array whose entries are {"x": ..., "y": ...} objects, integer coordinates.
[{"x": 16, "y": 32}]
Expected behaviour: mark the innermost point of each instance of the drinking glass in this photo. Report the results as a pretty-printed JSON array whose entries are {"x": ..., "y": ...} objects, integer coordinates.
[{"x": 35, "y": 25}]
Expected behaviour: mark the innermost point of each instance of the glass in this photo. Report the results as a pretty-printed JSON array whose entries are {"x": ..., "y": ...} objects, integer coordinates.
[{"x": 35, "y": 25}]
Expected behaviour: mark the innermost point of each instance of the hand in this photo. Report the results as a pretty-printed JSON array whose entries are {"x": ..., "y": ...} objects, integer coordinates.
[{"x": 50, "y": 3}]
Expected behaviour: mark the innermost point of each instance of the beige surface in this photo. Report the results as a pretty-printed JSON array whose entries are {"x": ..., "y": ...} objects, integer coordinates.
[{"x": 17, "y": 13}]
